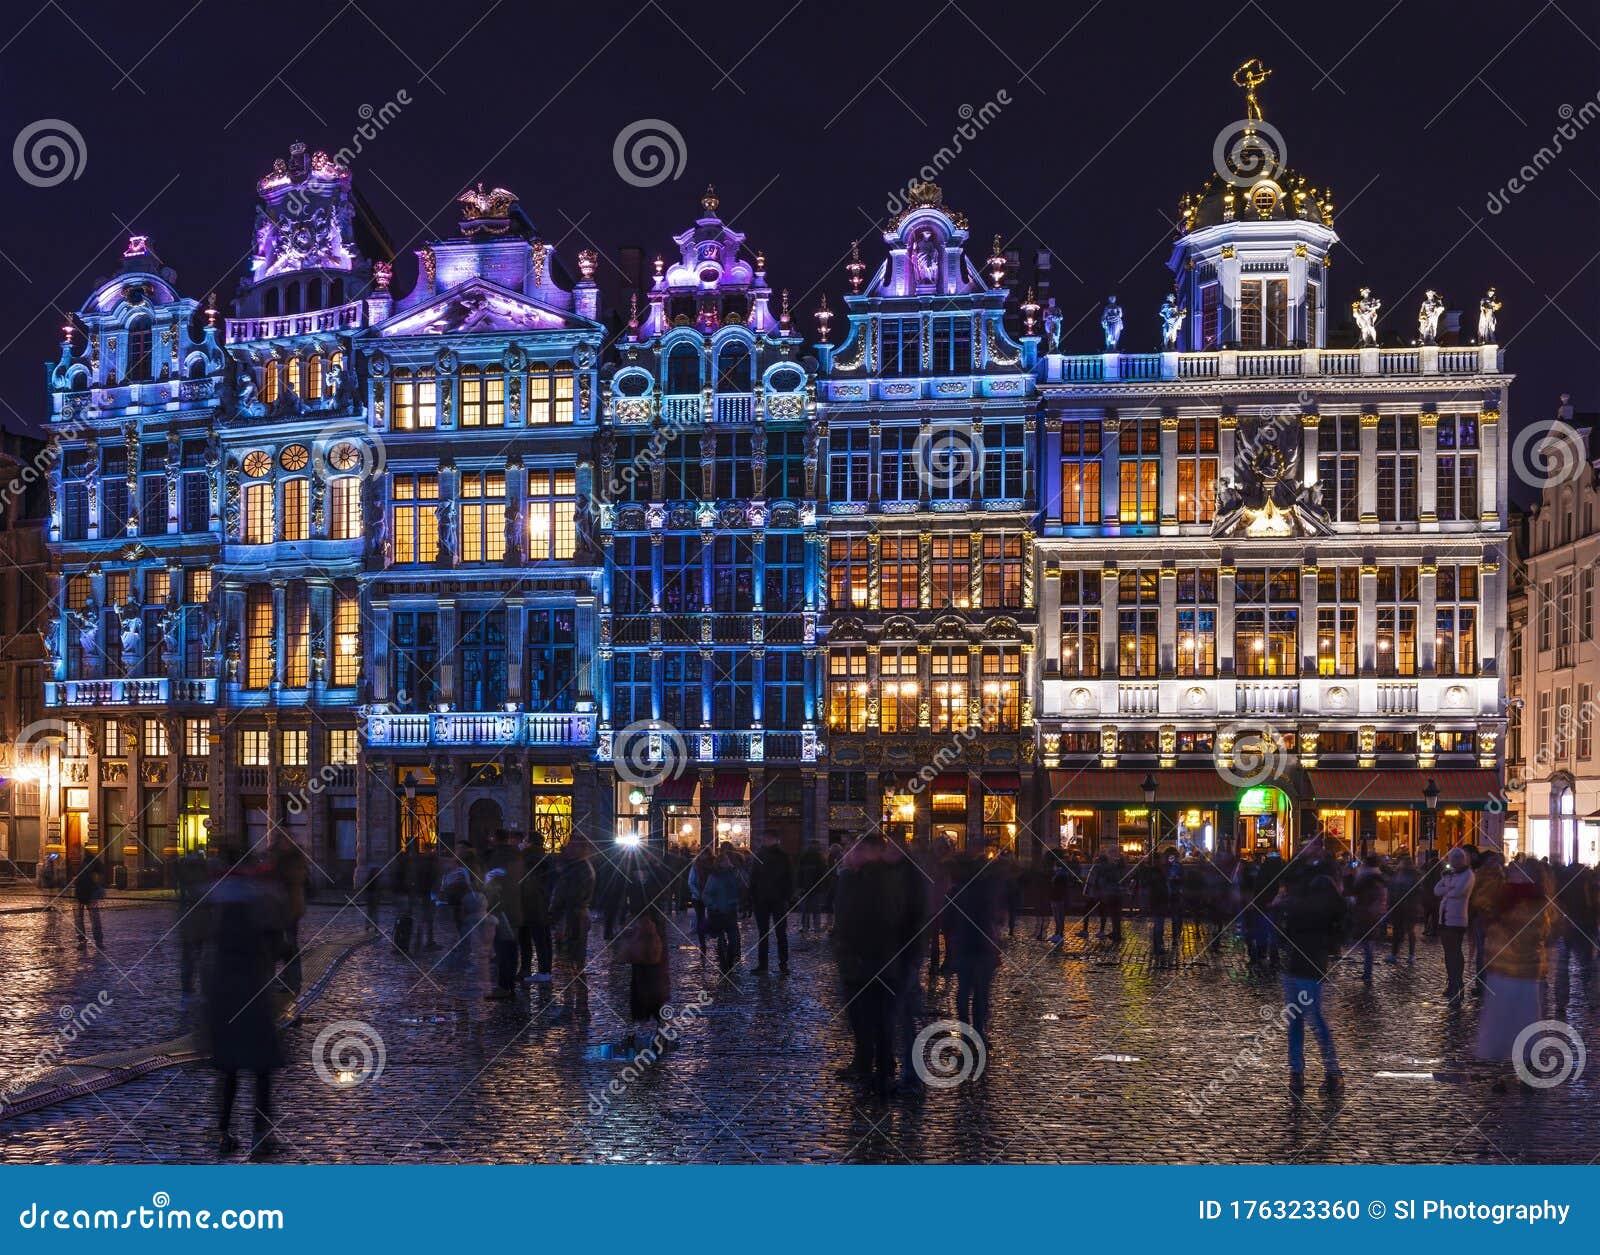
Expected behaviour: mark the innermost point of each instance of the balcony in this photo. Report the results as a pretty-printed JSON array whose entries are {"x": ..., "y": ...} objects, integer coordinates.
[
  {"x": 1427, "y": 359},
  {"x": 488, "y": 729},
  {"x": 681, "y": 411},
  {"x": 749, "y": 747},
  {"x": 739, "y": 408},
  {"x": 347, "y": 317},
  {"x": 152, "y": 691},
  {"x": 1267, "y": 697}
]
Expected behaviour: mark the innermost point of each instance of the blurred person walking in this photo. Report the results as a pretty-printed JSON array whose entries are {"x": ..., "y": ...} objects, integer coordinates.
[
  {"x": 1454, "y": 892},
  {"x": 1516, "y": 931},
  {"x": 772, "y": 893},
  {"x": 88, "y": 889},
  {"x": 1313, "y": 923}
]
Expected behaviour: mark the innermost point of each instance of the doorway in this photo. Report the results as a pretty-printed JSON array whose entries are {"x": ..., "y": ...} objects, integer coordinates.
[{"x": 484, "y": 817}]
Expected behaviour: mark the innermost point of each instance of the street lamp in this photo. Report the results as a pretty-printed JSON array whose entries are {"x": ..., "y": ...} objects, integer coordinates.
[
  {"x": 1148, "y": 787},
  {"x": 1430, "y": 818},
  {"x": 409, "y": 836}
]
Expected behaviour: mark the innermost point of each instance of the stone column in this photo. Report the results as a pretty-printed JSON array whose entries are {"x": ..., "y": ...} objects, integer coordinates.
[
  {"x": 1225, "y": 606},
  {"x": 1427, "y": 619},
  {"x": 1368, "y": 636},
  {"x": 1368, "y": 489},
  {"x": 1110, "y": 459},
  {"x": 1169, "y": 469},
  {"x": 448, "y": 627},
  {"x": 516, "y": 621},
  {"x": 1050, "y": 617},
  {"x": 1428, "y": 466},
  {"x": 1491, "y": 499},
  {"x": 1167, "y": 622},
  {"x": 1308, "y": 616},
  {"x": 1108, "y": 621}
]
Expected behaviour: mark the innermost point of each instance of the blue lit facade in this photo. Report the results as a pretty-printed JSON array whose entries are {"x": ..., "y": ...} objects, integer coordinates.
[
  {"x": 706, "y": 498},
  {"x": 927, "y": 471}
]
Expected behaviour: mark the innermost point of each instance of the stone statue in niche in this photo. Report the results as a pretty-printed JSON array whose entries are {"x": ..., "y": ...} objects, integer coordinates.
[
  {"x": 925, "y": 257},
  {"x": 1052, "y": 327},
  {"x": 1488, "y": 308}
]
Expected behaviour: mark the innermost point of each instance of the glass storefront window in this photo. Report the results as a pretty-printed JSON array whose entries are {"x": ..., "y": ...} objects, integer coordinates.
[
  {"x": 1456, "y": 827},
  {"x": 552, "y": 820},
  {"x": 1078, "y": 832},
  {"x": 1000, "y": 821},
  {"x": 1395, "y": 833},
  {"x": 899, "y": 815},
  {"x": 1133, "y": 831}
]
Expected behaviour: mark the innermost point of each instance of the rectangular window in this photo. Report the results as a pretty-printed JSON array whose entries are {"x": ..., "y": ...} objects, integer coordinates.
[
  {"x": 259, "y": 628},
  {"x": 952, "y": 571},
  {"x": 898, "y": 584},
  {"x": 847, "y": 464},
  {"x": 1197, "y": 469},
  {"x": 847, "y": 690},
  {"x": 346, "y": 639},
  {"x": 1585, "y": 717},
  {"x": 292, "y": 747},
  {"x": 949, "y": 670},
  {"x": 847, "y": 572},
  {"x": 1456, "y": 633},
  {"x": 414, "y": 517},
  {"x": 197, "y": 585},
  {"x": 255, "y": 748},
  {"x": 1080, "y": 474},
  {"x": 552, "y": 516},
  {"x": 897, "y": 669},
  {"x": 1002, "y": 571},
  {"x": 296, "y": 517},
  {"x": 1267, "y": 622},
  {"x": 1139, "y": 469},
  {"x": 1002, "y": 689},
  {"x": 1338, "y": 466},
  {"x": 344, "y": 746},
  {"x": 111, "y": 738},
  {"x": 1397, "y": 468},
  {"x": 297, "y": 636},
  {"x": 1338, "y": 613},
  {"x": 414, "y": 659},
  {"x": 1080, "y": 623},
  {"x": 197, "y": 737},
  {"x": 1458, "y": 468},
  {"x": 952, "y": 345},
  {"x": 897, "y": 465},
  {"x": 155, "y": 738},
  {"x": 483, "y": 516},
  {"x": 1003, "y": 462},
  {"x": 1210, "y": 316},
  {"x": 1197, "y": 623},
  {"x": 902, "y": 346},
  {"x": 1397, "y": 621},
  {"x": 1138, "y": 612}
]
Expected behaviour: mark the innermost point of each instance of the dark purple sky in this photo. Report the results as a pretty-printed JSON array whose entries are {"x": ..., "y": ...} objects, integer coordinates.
[{"x": 808, "y": 118}]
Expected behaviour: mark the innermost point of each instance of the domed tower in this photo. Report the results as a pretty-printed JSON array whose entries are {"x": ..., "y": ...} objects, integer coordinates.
[{"x": 1251, "y": 263}]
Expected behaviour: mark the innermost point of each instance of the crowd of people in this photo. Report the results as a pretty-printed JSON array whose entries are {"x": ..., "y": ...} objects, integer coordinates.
[{"x": 899, "y": 917}]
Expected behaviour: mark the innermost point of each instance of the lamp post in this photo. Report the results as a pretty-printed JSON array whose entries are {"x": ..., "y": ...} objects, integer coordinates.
[
  {"x": 1430, "y": 815},
  {"x": 1148, "y": 787},
  {"x": 408, "y": 832}
]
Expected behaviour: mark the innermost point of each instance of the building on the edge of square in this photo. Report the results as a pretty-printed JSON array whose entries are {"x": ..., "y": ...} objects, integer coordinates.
[
  {"x": 1551, "y": 772},
  {"x": 926, "y": 467},
  {"x": 706, "y": 497},
  {"x": 25, "y": 761},
  {"x": 1272, "y": 569},
  {"x": 130, "y": 639},
  {"x": 482, "y": 575}
]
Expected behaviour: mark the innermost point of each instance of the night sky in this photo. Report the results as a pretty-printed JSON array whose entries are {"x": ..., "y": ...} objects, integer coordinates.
[{"x": 808, "y": 118}]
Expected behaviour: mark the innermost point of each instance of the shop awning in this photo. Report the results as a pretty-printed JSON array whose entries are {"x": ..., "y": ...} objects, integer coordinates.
[
  {"x": 729, "y": 786},
  {"x": 1123, "y": 787},
  {"x": 676, "y": 789},
  {"x": 949, "y": 782},
  {"x": 1472, "y": 789},
  {"x": 1002, "y": 782}
]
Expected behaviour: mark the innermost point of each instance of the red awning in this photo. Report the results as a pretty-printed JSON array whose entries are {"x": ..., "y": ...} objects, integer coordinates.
[
  {"x": 729, "y": 786},
  {"x": 1002, "y": 782},
  {"x": 1470, "y": 789},
  {"x": 676, "y": 789},
  {"x": 1121, "y": 787},
  {"x": 950, "y": 782}
]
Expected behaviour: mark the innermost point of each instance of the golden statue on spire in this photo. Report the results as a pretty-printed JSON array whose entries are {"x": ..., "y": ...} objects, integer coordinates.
[{"x": 1251, "y": 75}]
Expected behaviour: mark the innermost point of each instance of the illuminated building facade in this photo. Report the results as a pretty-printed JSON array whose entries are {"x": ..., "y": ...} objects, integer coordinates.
[
  {"x": 24, "y": 597},
  {"x": 1271, "y": 571},
  {"x": 926, "y": 470},
  {"x": 706, "y": 496}
]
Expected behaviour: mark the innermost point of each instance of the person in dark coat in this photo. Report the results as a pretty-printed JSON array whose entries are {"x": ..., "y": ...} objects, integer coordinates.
[
  {"x": 972, "y": 924},
  {"x": 88, "y": 887},
  {"x": 570, "y": 897},
  {"x": 422, "y": 878},
  {"x": 772, "y": 893},
  {"x": 1313, "y": 921},
  {"x": 1157, "y": 897},
  {"x": 505, "y": 856},
  {"x": 533, "y": 937},
  {"x": 644, "y": 946},
  {"x": 870, "y": 910},
  {"x": 813, "y": 872},
  {"x": 194, "y": 879},
  {"x": 289, "y": 868},
  {"x": 241, "y": 1013}
]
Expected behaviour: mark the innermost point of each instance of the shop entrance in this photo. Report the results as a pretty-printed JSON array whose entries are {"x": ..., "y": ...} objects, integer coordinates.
[{"x": 1264, "y": 820}]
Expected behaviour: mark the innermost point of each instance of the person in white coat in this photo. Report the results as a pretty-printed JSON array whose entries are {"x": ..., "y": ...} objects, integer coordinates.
[{"x": 1454, "y": 891}]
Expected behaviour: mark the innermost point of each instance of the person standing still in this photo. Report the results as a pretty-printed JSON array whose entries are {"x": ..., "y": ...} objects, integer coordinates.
[
  {"x": 88, "y": 887},
  {"x": 1313, "y": 920},
  {"x": 772, "y": 891}
]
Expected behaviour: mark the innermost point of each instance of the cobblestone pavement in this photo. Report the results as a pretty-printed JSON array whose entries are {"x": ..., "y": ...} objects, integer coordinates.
[{"x": 1097, "y": 1055}]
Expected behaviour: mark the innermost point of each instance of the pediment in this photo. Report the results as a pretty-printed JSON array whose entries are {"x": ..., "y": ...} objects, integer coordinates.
[{"x": 477, "y": 306}]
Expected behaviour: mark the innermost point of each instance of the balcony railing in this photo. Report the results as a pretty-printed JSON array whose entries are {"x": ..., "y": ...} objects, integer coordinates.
[
  {"x": 346, "y": 317},
  {"x": 735, "y": 409},
  {"x": 481, "y": 728},
  {"x": 1425, "y": 359},
  {"x": 681, "y": 411},
  {"x": 1274, "y": 697},
  {"x": 132, "y": 691}
]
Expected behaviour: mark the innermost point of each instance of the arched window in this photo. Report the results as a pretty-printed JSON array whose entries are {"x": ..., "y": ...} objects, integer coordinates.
[
  {"x": 197, "y": 368},
  {"x": 314, "y": 377},
  {"x": 733, "y": 368},
  {"x": 683, "y": 370},
  {"x": 293, "y": 380},
  {"x": 269, "y": 303},
  {"x": 291, "y": 299},
  {"x": 139, "y": 351},
  {"x": 335, "y": 292},
  {"x": 269, "y": 383},
  {"x": 314, "y": 294}
]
